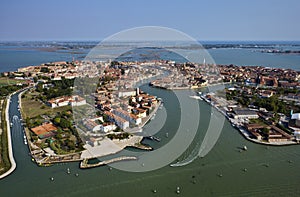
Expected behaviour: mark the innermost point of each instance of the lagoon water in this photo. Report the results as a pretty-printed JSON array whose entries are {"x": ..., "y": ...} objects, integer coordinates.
[
  {"x": 271, "y": 171},
  {"x": 268, "y": 171},
  {"x": 14, "y": 56}
]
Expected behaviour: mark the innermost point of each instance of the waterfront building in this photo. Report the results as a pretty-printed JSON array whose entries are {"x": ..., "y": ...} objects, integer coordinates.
[
  {"x": 127, "y": 116},
  {"x": 245, "y": 114},
  {"x": 278, "y": 135},
  {"x": 294, "y": 125}
]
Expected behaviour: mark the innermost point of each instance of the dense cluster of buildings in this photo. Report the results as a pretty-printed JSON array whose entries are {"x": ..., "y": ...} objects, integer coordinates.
[
  {"x": 67, "y": 70},
  {"x": 125, "y": 106},
  {"x": 125, "y": 109},
  {"x": 262, "y": 76},
  {"x": 258, "y": 123},
  {"x": 188, "y": 76},
  {"x": 122, "y": 106}
]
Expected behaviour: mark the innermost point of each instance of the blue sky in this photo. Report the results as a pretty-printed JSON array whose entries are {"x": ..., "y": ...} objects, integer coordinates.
[{"x": 97, "y": 19}]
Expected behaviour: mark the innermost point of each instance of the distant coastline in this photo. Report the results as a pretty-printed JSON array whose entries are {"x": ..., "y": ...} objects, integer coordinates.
[{"x": 16, "y": 54}]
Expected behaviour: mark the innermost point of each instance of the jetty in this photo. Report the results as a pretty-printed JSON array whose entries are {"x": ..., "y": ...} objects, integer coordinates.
[{"x": 84, "y": 164}]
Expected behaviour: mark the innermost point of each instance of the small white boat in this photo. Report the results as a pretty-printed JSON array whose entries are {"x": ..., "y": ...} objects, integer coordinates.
[
  {"x": 245, "y": 148},
  {"x": 152, "y": 118},
  {"x": 196, "y": 97}
]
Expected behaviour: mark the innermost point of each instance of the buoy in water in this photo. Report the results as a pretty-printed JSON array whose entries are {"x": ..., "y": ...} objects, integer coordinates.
[{"x": 178, "y": 190}]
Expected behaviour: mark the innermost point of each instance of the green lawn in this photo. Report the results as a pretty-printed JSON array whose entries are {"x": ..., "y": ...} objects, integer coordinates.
[
  {"x": 32, "y": 107},
  {"x": 5, "y": 81}
]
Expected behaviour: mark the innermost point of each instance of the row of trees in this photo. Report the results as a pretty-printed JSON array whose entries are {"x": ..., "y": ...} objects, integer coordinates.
[
  {"x": 6, "y": 90},
  {"x": 272, "y": 103},
  {"x": 60, "y": 88}
]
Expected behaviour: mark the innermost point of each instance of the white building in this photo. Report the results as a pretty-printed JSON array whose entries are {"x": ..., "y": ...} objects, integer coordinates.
[
  {"x": 126, "y": 93},
  {"x": 66, "y": 100},
  {"x": 107, "y": 127},
  {"x": 245, "y": 114},
  {"x": 122, "y": 123},
  {"x": 127, "y": 116},
  {"x": 294, "y": 125}
]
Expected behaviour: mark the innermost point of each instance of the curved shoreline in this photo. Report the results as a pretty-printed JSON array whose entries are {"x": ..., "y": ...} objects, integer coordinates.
[
  {"x": 245, "y": 135},
  {"x": 9, "y": 141}
]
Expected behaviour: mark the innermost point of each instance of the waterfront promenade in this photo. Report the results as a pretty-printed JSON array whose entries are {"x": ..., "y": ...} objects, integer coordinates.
[{"x": 239, "y": 126}]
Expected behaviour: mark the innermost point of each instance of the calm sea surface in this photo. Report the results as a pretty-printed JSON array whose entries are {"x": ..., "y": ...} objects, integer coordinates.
[
  {"x": 13, "y": 57},
  {"x": 268, "y": 171}
]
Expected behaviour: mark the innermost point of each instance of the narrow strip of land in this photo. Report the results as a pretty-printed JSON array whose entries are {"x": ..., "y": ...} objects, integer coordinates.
[{"x": 9, "y": 141}]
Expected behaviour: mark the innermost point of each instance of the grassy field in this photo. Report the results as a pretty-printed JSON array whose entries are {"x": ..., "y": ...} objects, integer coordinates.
[
  {"x": 4, "y": 159},
  {"x": 32, "y": 107},
  {"x": 5, "y": 81}
]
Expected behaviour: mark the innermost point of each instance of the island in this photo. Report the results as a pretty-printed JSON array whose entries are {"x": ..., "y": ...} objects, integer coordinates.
[{"x": 77, "y": 111}]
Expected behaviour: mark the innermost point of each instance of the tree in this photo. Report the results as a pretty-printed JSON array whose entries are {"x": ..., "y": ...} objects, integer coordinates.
[
  {"x": 39, "y": 87},
  {"x": 70, "y": 144},
  {"x": 44, "y": 69},
  {"x": 57, "y": 120},
  {"x": 265, "y": 131},
  {"x": 64, "y": 123}
]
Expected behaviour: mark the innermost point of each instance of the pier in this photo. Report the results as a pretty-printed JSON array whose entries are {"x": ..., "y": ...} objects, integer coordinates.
[{"x": 84, "y": 164}]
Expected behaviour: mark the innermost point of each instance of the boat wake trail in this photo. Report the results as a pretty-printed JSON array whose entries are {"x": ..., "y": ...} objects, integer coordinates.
[
  {"x": 15, "y": 126},
  {"x": 190, "y": 158},
  {"x": 210, "y": 139}
]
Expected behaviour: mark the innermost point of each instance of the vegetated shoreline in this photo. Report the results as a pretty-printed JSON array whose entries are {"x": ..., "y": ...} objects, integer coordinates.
[{"x": 13, "y": 164}]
